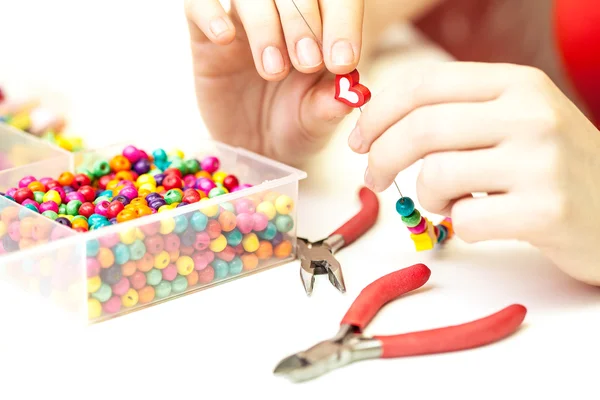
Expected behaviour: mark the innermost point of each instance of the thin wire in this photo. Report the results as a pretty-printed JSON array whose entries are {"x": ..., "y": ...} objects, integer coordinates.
[{"x": 398, "y": 187}]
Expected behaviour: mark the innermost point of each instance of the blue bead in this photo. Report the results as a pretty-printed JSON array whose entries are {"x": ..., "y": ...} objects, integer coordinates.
[
  {"x": 199, "y": 221},
  {"x": 181, "y": 224},
  {"x": 405, "y": 206},
  {"x": 442, "y": 233},
  {"x": 92, "y": 247},
  {"x": 234, "y": 237},
  {"x": 221, "y": 268},
  {"x": 32, "y": 208},
  {"x": 268, "y": 233},
  {"x": 121, "y": 252},
  {"x": 159, "y": 155},
  {"x": 236, "y": 266}
]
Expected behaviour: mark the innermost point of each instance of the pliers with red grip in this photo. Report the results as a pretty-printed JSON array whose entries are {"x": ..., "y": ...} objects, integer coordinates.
[
  {"x": 316, "y": 258},
  {"x": 351, "y": 345}
]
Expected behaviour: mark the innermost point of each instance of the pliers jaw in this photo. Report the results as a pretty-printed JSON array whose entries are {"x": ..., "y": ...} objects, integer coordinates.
[{"x": 316, "y": 258}]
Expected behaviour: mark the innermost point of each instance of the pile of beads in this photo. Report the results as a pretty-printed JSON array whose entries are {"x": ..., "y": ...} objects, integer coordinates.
[
  {"x": 422, "y": 232},
  {"x": 31, "y": 117}
]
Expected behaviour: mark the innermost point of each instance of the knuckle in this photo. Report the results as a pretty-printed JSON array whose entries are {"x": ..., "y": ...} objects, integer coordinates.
[
  {"x": 535, "y": 77},
  {"x": 431, "y": 171},
  {"x": 462, "y": 224}
]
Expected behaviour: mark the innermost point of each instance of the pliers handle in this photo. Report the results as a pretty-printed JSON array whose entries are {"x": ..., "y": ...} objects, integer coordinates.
[{"x": 362, "y": 221}]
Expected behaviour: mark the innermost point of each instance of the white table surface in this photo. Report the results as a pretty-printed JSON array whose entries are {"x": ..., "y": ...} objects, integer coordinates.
[{"x": 122, "y": 68}]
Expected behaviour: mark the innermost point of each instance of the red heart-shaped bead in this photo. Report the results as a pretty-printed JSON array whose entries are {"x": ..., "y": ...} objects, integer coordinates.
[{"x": 349, "y": 91}]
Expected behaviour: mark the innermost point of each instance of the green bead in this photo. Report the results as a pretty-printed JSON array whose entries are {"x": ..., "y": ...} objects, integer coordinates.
[
  {"x": 173, "y": 196},
  {"x": 153, "y": 277},
  {"x": 73, "y": 207},
  {"x": 228, "y": 206},
  {"x": 413, "y": 219},
  {"x": 62, "y": 209},
  {"x": 181, "y": 224},
  {"x": 101, "y": 168},
  {"x": 268, "y": 233},
  {"x": 199, "y": 221},
  {"x": 103, "y": 293},
  {"x": 192, "y": 166},
  {"x": 284, "y": 223},
  {"x": 221, "y": 268},
  {"x": 178, "y": 163},
  {"x": 79, "y": 217},
  {"x": 405, "y": 206},
  {"x": 137, "y": 250},
  {"x": 38, "y": 197},
  {"x": 236, "y": 266},
  {"x": 216, "y": 191},
  {"x": 179, "y": 284},
  {"x": 100, "y": 199},
  {"x": 86, "y": 172},
  {"x": 163, "y": 289},
  {"x": 234, "y": 237},
  {"x": 155, "y": 172}
]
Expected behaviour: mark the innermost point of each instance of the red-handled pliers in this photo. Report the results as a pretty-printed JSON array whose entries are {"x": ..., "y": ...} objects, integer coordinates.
[
  {"x": 351, "y": 345},
  {"x": 316, "y": 258}
]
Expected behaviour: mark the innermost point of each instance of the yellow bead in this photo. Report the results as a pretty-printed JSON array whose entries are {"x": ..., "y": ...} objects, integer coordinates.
[
  {"x": 3, "y": 229},
  {"x": 145, "y": 179},
  {"x": 164, "y": 208},
  {"x": 52, "y": 195},
  {"x": 268, "y": 209},
  {"x": 139, "y": 234},
  {"x": 250, "y": 242},
  {"x": 177, "y": 153},
  {"x": 209, "y": 211},
  {"x": 93, "y": 284},
  {"x": 219, "y": 176},
  {"x": 149, "y": 187},
  {"x": 21, "y": 121},
  {"x": 218, "y": 245},
  {"x": 94, "y": 308},
  {"x": 127, "y": 236},
  {"x": 130, "y": 298},
  {"x": 284, "y": 204},
  {"x": 162, "y": 260},
  {"x": 167, "y": 225},
  {"x": 111, "y": 185},
  {"x": 185, "y": 265},
  {"x": 426, "y": 240}
]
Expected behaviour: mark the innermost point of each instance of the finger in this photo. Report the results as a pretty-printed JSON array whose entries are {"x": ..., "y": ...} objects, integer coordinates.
[
  {"x": 449, "y": 176},
  {"x": 263, "y": 28},
  {"x": 209, "y": 21},
  {"x": 432, "y": 129},
  {"x": 494, "y": 217},
  {"x": 445, "y": 82},
  {"x": 342, "y": 34},
  {"x": 301, "y": 21}
]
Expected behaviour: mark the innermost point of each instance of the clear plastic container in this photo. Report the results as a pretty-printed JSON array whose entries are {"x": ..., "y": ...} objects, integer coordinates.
[{"x": 121, "y": 268}]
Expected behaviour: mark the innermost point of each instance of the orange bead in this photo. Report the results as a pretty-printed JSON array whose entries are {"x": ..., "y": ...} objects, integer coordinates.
[
  {"x": 144, "y": 192},
  {"x": 119, "y": 163},
  {"x": 146, "y": 263},
  {"x": 283, "y": 249},
  {"x": 80, "y": 223},
  {"x": 142, "y": 211},
  {"x": 126, "y": 215},
  {"x": 9, "y": 214},
  {"x": 26, "y": 243},
  {"x": 37, "y": 186},
  {"x": 448, "y": 224},
  {"x": 26, "y": 227},
  {"x": 146, "y": 295},
  {"x": 124, "y": 176},
  {"x": 129, "y": 268},
  {"x": 265, "y": 250},
  {"x": 250, "y": 261},
  {"x": 174, "y": 255},
  {"x": 111, "y": 185},
  {"x": 139, "y": 201},
  {"x": 66, "y": 178},
  {"x": 192, "y": 278},
  {"x": 41, "y": 230},
  {"x": 203, "y": 174},
  {"x": 105, "y": 257},
  {"x": 227, "y": 220}
]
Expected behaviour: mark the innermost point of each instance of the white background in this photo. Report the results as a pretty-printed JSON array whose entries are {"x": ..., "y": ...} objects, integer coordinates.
[{"x": 122, "y": 69}]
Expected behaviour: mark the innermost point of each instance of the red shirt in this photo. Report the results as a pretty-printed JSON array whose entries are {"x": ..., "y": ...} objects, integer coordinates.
[{"x": 577, "y": 28}]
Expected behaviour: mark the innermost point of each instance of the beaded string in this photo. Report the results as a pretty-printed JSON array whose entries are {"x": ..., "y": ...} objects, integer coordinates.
[{"x": 423, "y": 233}]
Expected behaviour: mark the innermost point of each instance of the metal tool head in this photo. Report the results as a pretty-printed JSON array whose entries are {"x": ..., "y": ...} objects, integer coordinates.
[{"x": 316, "y": 258}]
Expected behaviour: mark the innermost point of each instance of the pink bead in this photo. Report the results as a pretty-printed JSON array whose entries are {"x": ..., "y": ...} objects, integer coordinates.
[
  {"x": 245, "y": 223},
  {"x": 11, "y": 192},
  {"x": 109, "y": 241},
  {"x": 102, "y": 208},
  {"x": 44, "y": 181},
  {"x": 169, "y": 273},
  {"x": 189, "y": 181},
  {"x": 93, "y": 267},
  {"x": 75, "y": 196},
  {"x": 33, "y": 202},
  {"x": 241, "y": 187},
  {"x": 417, "y": 230},
  {"x": 260, "y": 221},
  {"x": 121, "y": 287},
  {"x": 202, "y": 241},
  {"x": 202, "y": 259},
  {"x": 26, "y": 181},
  {"x": 14, "y": 232},
  {"x": 130, "y": 192},
  {"x": 143, "y": 155},
  {"x": 60, "y": 232},
  {"x": 210, "y": 164},
  {"x": 244, "y": 206},
  {"x": 205, "y": 184},
  {"x": 48, "y": 206},
  {"x": 112, "y": 305},
  {"x": 132, "y": 154},
  {"x": 61, "y": 192}
]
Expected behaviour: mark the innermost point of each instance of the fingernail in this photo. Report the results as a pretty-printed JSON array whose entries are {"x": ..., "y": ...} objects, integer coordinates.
[
  {"x": 342, "y": 53},
  {"x": 355, "y": 140},
  {"x": 309, "y": 54},
  {"x": 272, "y": 61},
  {"x": 218, "y": 26},
  {"x": 369, "y": 180}
]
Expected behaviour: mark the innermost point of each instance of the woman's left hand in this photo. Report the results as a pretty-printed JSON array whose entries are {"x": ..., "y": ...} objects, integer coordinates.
[{"x": 501, "y": 129}]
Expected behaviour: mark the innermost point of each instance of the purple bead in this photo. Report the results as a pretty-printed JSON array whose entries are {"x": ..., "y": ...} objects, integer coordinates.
[
  {"x": 183, "y": 203},
  {"x": 68, "y": 189},
  {"x": 205, "y": 184},
  {"x": 277, "y": 239},
  {"x": 142, "y": 166},
  {"x": 63, "y": 221},
  {"x": 159, "y": 178},
  {"x": 158, "y": 203},
  {"x": 75, "y": 196},
  {"x": 210, "y": 164},
  {"x": 102, "y": 208},
  {"x": 130, "y": 192},
  {"x": 26, "y": 181},
  {"x": 121, "y": 199},
  {"x": 112, "y": 221},
  {"x": 152, "y": 196},
  {"x": 48, "y": 206},
  {"x": 11, "y": 192},
  {"x": 132, "y": 154},
  {"x": 188, "y": 237}
]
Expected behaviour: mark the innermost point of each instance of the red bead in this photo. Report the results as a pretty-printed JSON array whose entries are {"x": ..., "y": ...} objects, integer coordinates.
[
  {"x": 172, "y": 182},
  {"x": 81, "y": 180},
  {"x": 23, "y": 194},
  {"x": 173, "y": 171},
  {"x": 230, "y": 182},
  {"x": 191, "y": 196},
  {"x": 88, "y": 193},
  {"x": 154, "y": 244},
  {"x": 87, "y": 209},
  {"x": 172, "y": 242},
  {"x": 80, "y": 229},
  {"x": 103, "y": 181},
  {"x": 213, "y": 228},
  {"x": 239, "y": 249},
  {"x": 114, "y": 209},
  {"x": 350, "y": 83},
  {"x": 227, "y": 254},
  {"x": 52, "y": 184},
  {"x": 186, "y": 251},
  {"x": 202, "y": 241}
]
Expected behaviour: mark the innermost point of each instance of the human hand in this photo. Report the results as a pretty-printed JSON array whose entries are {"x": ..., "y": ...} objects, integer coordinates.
[
  {"x": 500, "y": 129},
  {"x": 248, "y": 93}
]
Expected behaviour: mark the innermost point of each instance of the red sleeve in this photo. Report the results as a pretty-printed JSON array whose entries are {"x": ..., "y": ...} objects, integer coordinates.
[{"x": 577, "y": 29}]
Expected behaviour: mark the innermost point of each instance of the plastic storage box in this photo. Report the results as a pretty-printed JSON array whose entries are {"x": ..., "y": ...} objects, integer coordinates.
[{"x": 46, "y": 267}]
